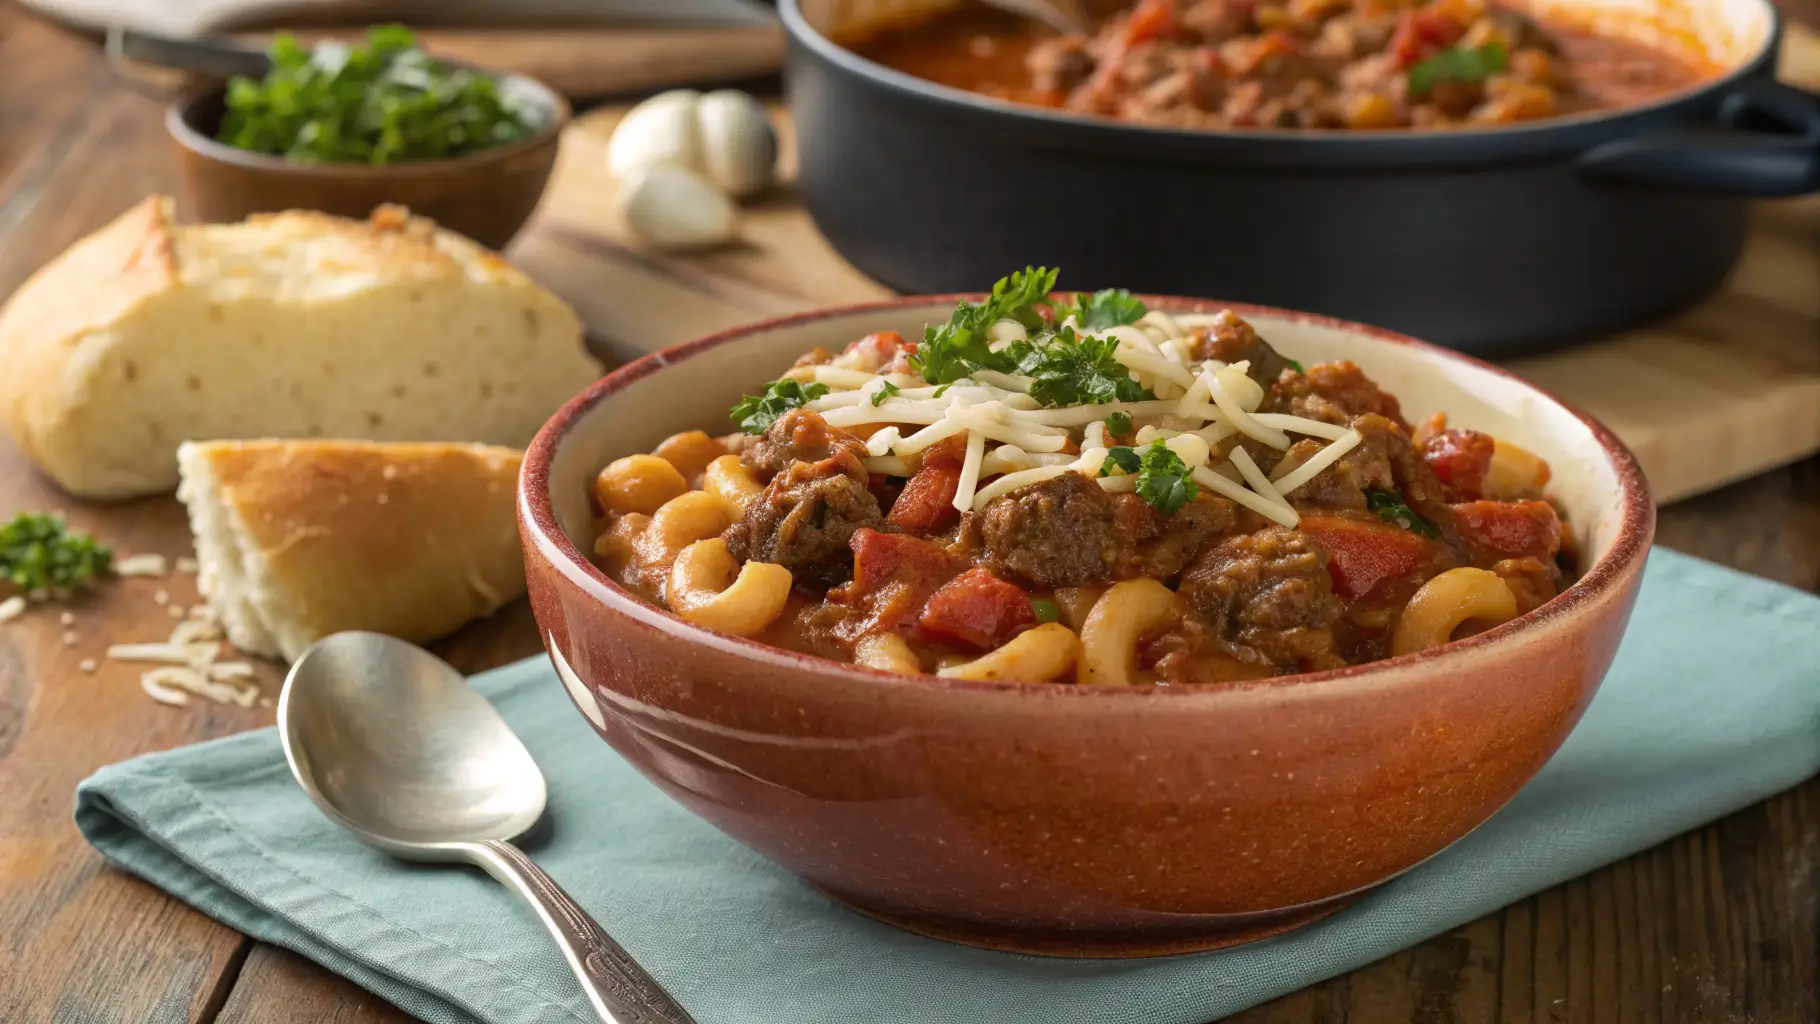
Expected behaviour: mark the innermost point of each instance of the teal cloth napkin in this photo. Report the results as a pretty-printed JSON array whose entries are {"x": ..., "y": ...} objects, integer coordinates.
[{"x": 1713, "y": 704}]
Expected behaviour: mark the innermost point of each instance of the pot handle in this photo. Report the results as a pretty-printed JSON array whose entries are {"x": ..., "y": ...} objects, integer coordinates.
[{"x": 1770, "y": 146}]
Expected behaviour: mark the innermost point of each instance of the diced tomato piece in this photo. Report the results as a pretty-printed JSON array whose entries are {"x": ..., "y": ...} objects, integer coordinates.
[
  {"x": 901, "y": 364},
  {"x": 1248, "y": 58},
  {"x": 1363, "y": 554},
  {"x": 926, "y": 506},
  {"x": 1419, "y": 34},
  {"x": 883, "y": 558},
  {"x": 1149, "y": 20},
  {"x": 977, "y": 609},
  {"x": 1509, "y": 529},
  {"x": 880, "y": 349},
  {"x": 1460, "y": 460}
]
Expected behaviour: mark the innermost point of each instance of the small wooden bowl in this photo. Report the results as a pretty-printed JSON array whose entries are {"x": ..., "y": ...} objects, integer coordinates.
[{"x": 486, "y": 196}]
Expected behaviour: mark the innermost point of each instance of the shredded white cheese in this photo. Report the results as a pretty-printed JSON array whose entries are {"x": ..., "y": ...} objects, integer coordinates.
[
  {"x": 1320, "y": 460},
  {"x": 970, "y": 472},
  {"x": 1012, "y": 481},
  {"x": 1248, "y": 468},
  {"x": 141, "y": 565},
  {"x": 1241, "y": 419},
  {"x": 1218, "y": 484}
]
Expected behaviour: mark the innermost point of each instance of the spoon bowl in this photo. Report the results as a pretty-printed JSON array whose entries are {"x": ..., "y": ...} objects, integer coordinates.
[
  {"x": 392, "y": 742},
  {"x": 395, "y": 746}
]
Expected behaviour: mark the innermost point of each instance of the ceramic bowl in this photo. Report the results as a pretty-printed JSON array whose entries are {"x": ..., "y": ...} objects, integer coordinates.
[
  {"x": 1056, "y": 819},
  {"x": 486, "y": 196}
]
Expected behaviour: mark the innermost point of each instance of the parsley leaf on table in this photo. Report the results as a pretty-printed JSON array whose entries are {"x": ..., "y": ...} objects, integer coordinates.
[
  {"x": 1389, "y": 507},
  {"x": 41, "y": 553},
  {"x": 1112, "y": 307},
  {"x": 1458, "y": 64},
  {"x": 754, "y": 413},
  {"x": 379, "y": 102}
]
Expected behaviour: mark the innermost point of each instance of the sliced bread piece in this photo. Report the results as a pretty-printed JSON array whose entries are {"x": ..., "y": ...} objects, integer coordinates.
[
  {"x": 149, "y": 333},
  {"x": 300, "y": 539}
]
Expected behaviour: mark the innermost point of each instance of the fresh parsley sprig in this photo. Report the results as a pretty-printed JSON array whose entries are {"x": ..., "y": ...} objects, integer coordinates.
[
  {"x": 960, "y": 347},
  {"x": 755, "y": 413},
  {"x": 1118, "y": 424},
  {"x": 1164, "y": 481},
  {"x": 1458, "y": 64},
  {"x": 40, "y": 553},
  {"x": 885, "y": 390},
  {"x": 1070, "y": 370},
  {"x": 1110, "y": 307},
  {"x": 1390, "y": 507}
]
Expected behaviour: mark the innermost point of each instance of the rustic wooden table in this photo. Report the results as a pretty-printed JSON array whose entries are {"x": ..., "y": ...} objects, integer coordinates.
[{"x": 1720, "y": 925}]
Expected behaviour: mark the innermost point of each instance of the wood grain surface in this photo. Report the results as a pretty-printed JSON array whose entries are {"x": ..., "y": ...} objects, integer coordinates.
[{"x": 1718, "y": 926}]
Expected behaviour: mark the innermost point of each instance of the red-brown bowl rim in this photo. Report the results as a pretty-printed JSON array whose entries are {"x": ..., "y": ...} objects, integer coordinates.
[{"x": 537, "y": 511}]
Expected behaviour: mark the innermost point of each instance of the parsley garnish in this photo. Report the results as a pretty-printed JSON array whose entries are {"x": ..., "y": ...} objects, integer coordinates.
[
  {"x": 1164, "y": 481},
  {"x": 380, "y": 102},
  {"x": 1119, "y": 424},
  {"x": 1044, "y": 610},
  {"x": 1297, "y": 367},
  {"x": 755, "y": 413},
  {"x": 1123, "y": 458},
  {"x": 1457, "y": 64},
  {"x": 1390, "y": 508},
  {"x": 41, "y": 553},
  {"x": 1113, "y": 307},
  {"x": 960, "y": 348},
  {"x": 879, "y": 396},
  {"x": 1072, "y": 370}
]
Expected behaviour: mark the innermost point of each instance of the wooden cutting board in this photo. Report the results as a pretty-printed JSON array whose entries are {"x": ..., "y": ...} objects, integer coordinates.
[{"x": 1724, "y": 391}]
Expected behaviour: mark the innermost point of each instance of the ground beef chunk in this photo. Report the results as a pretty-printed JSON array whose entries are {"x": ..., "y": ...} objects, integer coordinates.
[
  {"x": 1268, "y": 599},
  {"x": 1333, "y": 393},
  {"x": 1531, "y": 580},
  {"x": 1231, "y": 339},
  {"x": 1059, "y": 63},
  {"x": 803, "y": 521},
  {"x": 1165, "y": 544},
  {"x": 1063, "y": 532},
  {"x": 802, "y": 436}
]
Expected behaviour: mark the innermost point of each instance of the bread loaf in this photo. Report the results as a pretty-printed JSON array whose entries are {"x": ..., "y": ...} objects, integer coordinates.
[
  {"x": 300, "y": 539},
  {"x": 147, "y": 334}
]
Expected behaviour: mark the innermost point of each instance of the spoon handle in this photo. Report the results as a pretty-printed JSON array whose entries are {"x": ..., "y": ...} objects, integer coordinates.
[{"x": 620, "y": 990}]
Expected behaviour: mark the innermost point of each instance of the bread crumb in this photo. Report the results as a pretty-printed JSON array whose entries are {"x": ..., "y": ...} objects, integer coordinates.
[
  {"x": 384, "y": 497},
  {"x": 12, "y": 608},
  {"x": 265, "y": 702},
  {"x": 87, "y": 665},
  {"x": 141, "y": 565},
  {"x": 390, "y": 472},
  {"x": 162, "y": 597},
  {"x": 176, "y": 611},
  {"x": 189, "y": 565},
  {"x": 67, "y": 618},
  {"x": 69, "y": 638}
]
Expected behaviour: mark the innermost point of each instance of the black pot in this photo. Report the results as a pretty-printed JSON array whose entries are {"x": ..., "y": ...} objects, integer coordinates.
[{"x": 1497, "y": 242}]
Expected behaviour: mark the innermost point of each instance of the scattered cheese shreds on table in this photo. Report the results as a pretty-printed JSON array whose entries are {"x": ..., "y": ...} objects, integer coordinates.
[{"x": 188, "y": 665}]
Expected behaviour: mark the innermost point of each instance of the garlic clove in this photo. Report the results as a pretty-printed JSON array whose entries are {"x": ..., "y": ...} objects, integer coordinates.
[
  {"x": 661, "y": 130},
  {"x": 738, "y": 145},
  {"x": 672, "y": 207}
]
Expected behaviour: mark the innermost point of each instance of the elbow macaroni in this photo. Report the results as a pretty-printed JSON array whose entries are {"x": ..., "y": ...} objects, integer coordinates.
[
  {"x": 1514, "y": 472},
  {"x": 886, "y": 652},
  {"x": 690, "y": 451},
  {"x": 1119, "y": 618},
  {"x": 1446, "y": 602},
  {"x": 681, "y": 521},
  {"x": 1033, "y": 656},
  {"x": 705, "y": 589},
  {"x": 638, "y": 483},
  {"x": 727, "y": 480}
]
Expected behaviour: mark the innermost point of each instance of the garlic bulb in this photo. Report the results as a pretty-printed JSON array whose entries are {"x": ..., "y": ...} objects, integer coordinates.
[
  {"x": 723, "y": 136},
  {"x": 738, "y": 147},
  {"x": 672, "y": 207}
]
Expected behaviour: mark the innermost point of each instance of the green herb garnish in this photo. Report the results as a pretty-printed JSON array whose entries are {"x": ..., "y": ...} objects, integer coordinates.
[
  {"x": 1072, "y": 370},
  {"x": 1389, "y": 507},
  {"x": 755, "y": 413},
  {"x": 885, "y": 391},
  {"x": 960, "y": 347},
  {"x": 1113, "y": 307},
  {"x": 379, "y": 103},
  {"x": 1121, "y": 458},
  {"x": 1118, "y": 424},
  {"x": 40, "y": 553},
  {"x": 1297, "y": 367},
  {"x": 1164, "y": 481},
  {"x": 1458, "y": 64},
  {"x": 1044, "y": 610}
]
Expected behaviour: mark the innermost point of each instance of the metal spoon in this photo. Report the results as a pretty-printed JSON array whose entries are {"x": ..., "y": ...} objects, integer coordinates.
[
  {"x": 212, "y": 57},
  {"x": 392, "y": 744}
]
